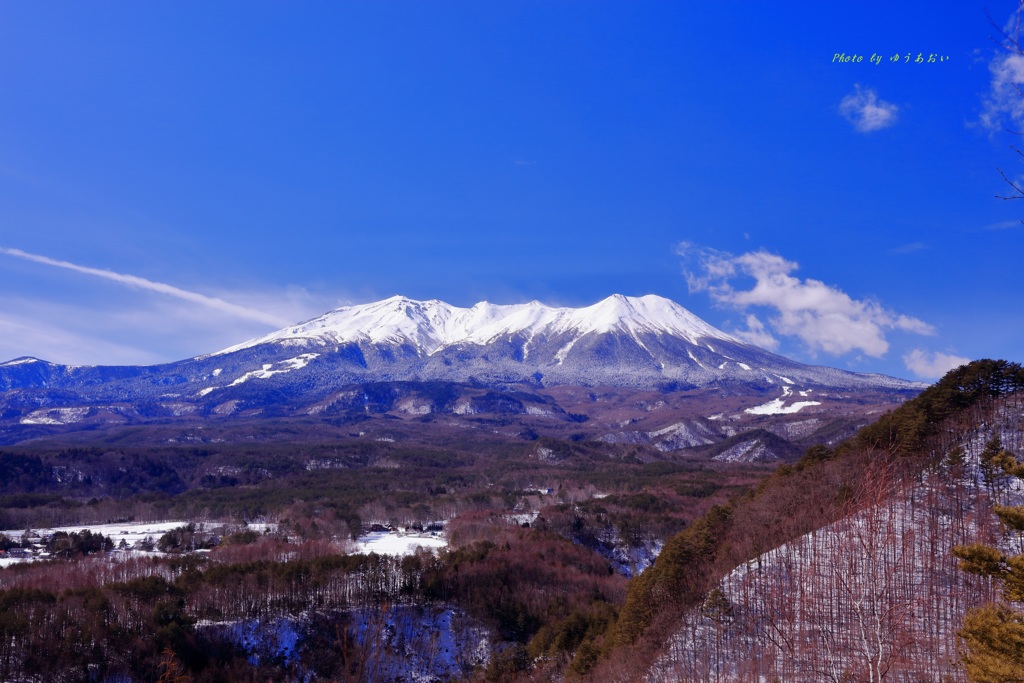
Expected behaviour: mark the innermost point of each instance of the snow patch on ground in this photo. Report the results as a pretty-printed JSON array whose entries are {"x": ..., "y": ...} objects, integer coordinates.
[
  {"x": 683, "y": 435},
  {"x": 564, "y": 351},
  {"x": 414, "y": 406},
  {"x": 285, "y": 366},
  {"x": 776, "y": 406},
  {"x": 392, "y": 543},
  {"x": 131, "y": 533},
  {"x": 464, "y": 407},
  {"x": 19, "y": 361},
  {"x": 519, "y": 519},
  {"x": 54, "y": 416},
  {"x": 747, "y": 451}
]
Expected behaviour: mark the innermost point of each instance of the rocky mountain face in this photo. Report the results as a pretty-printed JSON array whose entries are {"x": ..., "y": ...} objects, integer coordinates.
[{"x": 416, "y": 359}]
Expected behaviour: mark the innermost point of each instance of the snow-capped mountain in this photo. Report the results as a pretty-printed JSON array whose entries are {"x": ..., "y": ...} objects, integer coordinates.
[
  {"x": 431, "y": 326},
  {"x": 620, "y": 341},
  {"x": 414, "y": 358},
  {"x": 637, "y": 342}
]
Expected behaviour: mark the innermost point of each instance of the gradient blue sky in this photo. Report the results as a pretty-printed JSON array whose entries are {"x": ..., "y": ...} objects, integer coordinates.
[{"x": 255, "y": 163}]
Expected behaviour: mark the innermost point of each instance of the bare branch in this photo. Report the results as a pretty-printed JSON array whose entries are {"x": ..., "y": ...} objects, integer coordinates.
[
  {"x": 1008, "y": 42},
  {"x": 1017, "y": 188}
]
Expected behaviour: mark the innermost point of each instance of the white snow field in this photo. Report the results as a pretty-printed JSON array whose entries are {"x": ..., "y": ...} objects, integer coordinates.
[{"x": 392, "y": 543}]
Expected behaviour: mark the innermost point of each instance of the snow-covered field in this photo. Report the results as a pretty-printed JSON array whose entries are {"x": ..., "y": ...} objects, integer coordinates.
[
  {"x": 776, "y": 406},
  {"x": 380, "y": 542},
  {"x": 131, "y": 533},
  {"x": 392, "y": 543}
]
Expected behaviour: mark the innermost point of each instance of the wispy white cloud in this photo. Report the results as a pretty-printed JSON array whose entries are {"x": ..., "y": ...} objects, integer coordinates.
[
  {"x": 134, "y": 330},
  {"x": 145, "y": 322},
  {"x": 215, "y": 303},
  {"x": 28, "y": 335},
  {"x": 908, "y": 248},
  {"x": 823, "y": 317},
  {"x": 932, "y": 365},
  {"x": 1004, "y": 225},
  {"x": 1003, "y": 106},
  {"x": 866, "y": 111}
]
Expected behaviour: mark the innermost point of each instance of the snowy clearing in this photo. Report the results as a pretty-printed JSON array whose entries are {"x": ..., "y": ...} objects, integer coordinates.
[
  {"x": 54, "y": 416},
  {"x": 776, "y": 406},
  {"x": 131, "y": 533},
  {"x": 390, "y": 543},
  {"x": 266, "y": 372}
]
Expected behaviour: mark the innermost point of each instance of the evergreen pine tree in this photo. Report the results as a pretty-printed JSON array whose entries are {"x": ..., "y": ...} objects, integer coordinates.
[
  {"x": 993, "y": 645},
  {"x": 993, "y": 635},
  {"x": 990, "y": 463}
]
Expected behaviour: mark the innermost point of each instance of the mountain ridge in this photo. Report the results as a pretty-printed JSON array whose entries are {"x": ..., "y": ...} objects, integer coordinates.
[
  {"x": 440, "y": 325},
  {"x": 636, "y": 370},
  {"x": 409, "y": 360},
  {"x": 640, "y": 342}
]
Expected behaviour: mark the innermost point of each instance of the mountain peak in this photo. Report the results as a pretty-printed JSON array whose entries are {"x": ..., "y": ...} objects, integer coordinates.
[
  {"x": 432, "y": 325},
  {"x": 618, "y": 341},
  {"x": 21, "y": 360},
  {"x": 650, "y": 314},
  {"x": 623, "y": 341}
]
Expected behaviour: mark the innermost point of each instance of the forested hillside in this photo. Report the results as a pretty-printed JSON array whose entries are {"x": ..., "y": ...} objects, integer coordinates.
[{"x": 842, "y": 567}]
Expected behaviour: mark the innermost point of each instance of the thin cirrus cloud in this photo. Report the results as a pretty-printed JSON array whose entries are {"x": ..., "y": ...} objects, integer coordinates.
[
  {"x": 215, "y": 303},
  {"x": 26, "y": 333},
  {"x": 1004, "y": 225},
  {"x": 907, "y": 248},
  {"x": 932, "y": 365},
  {"x": 824, "y": 318},
  {"x": 136, "y": 331},
  {"x": 866, "y": 111}
]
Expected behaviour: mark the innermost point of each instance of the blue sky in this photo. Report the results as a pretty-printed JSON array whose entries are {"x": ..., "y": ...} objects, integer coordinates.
[{"x": 178, "y": 177}]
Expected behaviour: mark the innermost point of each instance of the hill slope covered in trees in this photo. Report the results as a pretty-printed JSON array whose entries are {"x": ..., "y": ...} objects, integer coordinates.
[{"x": 843, "y": 566}]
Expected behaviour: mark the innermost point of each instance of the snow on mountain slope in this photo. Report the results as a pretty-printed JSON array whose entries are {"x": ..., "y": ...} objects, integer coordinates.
[
  {"x": 776, "y": 405},
  {"x": 433, "y": 325},
  {"x": 645, "y": 342}
]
